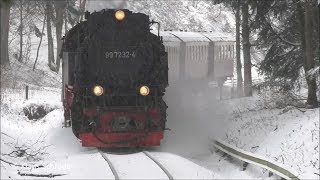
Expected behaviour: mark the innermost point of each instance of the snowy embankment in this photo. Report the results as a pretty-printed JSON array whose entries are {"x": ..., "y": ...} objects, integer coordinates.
[
  {"x": 262, "y": 124},
  {"x": 289, "y": 136}
]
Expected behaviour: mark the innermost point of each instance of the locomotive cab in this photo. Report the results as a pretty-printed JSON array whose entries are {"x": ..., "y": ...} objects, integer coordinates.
[{"x": 115, "y": 72}]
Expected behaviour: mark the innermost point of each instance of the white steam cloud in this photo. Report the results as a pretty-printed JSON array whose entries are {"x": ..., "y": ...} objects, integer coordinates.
[
  {"x": 97, "y": 5},
  {"x": 195, "y": 116}
]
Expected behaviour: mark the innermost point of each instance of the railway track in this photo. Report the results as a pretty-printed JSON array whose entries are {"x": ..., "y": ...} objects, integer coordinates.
[
  {"x": 116, "y": 168},
  {"x": 147, "y": 165},
  {"x": 113, "y": 170},
  {"x": 159, "y": 164}
]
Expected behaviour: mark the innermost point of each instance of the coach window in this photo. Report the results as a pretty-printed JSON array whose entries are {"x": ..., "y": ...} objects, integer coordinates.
[
  {"x": 186, "y": 54},
  {"x": 202, "y": 53},
  {"x": 223, "y": 52},
  {"x": 227, "y": 51},
  {"x": 220, "y": 53},
  {"x": 189, "y": 53},
  {"x": 194, "y": 47},
  {"x": 204, "y": 50},
  {"x": 204, "y": 57},
  {"x": 232, "y": 50},
  {"x": 215, "y": 50},
  {"x": 194, "y": 53},
  {"x": 197, "y": 53}
]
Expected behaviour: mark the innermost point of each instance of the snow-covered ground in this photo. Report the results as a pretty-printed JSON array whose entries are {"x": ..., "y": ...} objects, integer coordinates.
[
  {"x": 289, "y": 136},
  {"x": 44, "y": 147}
]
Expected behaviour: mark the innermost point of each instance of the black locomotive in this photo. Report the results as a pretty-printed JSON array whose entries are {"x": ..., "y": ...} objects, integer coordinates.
[{"x": 115, "y": 72}]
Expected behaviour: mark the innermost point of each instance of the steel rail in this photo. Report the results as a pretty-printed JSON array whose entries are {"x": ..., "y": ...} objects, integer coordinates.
[
  {"x": 159, "y": 164},
  {"x": 114, "y": 172}
]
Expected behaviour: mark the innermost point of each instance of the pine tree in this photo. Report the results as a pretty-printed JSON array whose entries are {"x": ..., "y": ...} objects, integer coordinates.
[
  {"x": 309, "y": 62},
  {"x": 238, "y": 48},
  {"x": 49, "y": 14},
  {"x": 59, "y": 7},
  {"x": 291, "y": 42},
  {"x": 246, "y": 49}
]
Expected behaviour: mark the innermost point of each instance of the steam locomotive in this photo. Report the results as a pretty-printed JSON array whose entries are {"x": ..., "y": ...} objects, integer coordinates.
[{"x": 115, "y": 72}]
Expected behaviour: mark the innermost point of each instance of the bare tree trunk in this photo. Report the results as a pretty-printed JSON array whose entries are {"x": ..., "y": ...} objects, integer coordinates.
[
  {"x": 49, "y": 35},
  {"x": 82, "y": 8},
  {"x": 246, "y": 49},
  {"x": 65, "y": 22},
  {"x": 59, "y": 9},
  {"x": 35, "y": 62},
  {"x": 239, "y": 65},
  {"x": 4, "y": 33},
  {"x": 21, "y": 31},
  {"x": 312, "y": 101}
]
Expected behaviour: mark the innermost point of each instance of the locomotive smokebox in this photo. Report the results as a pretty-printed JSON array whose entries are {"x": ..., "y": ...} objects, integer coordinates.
[{"x": 117, "y": 71}]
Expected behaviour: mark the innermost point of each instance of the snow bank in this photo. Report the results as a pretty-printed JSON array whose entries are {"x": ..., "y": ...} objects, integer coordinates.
[{"x": 289, "y": 136}]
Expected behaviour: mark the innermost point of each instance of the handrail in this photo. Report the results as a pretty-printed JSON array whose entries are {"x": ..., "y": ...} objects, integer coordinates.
[{"x": 254, "y": 159}]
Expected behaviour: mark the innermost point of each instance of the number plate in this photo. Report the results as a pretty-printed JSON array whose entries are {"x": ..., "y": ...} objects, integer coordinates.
[
  {"x": 120, "y": 54},
  {"x": 128, "y": 53}
]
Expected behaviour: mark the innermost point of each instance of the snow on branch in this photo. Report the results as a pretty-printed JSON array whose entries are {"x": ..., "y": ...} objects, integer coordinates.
[
  {"x": 279, "y": 36},
  {"x": 18, "y": 165},
  {"x": 314, "y": 72},
  {"x": 40, "y": 175},
  {"x": 34, "y": 151}
]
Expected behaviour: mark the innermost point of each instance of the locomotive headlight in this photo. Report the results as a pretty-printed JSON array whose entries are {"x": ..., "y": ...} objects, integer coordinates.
[
  {"x": 120, "y": 15},
  {"x": 97, "y": 90},
  {"x": 144, "y": 90}
]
